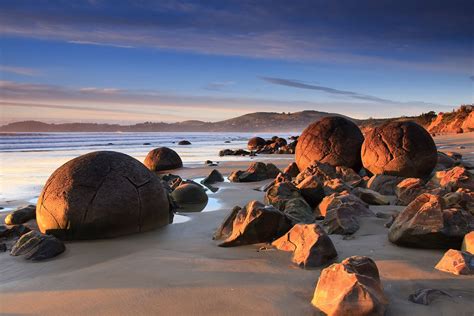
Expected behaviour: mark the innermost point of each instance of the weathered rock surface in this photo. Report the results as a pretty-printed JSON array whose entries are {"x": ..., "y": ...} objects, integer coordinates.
[
  {"x": 21, "y": 215},
  {"x": 468, "y": 243},
  {"x": 424, "y": 223},
  {"x": 36, "y": 246},
  {"x": 352, "y": 287},
  {"x": 292, "y": 170},
  {"x": 312, "y": 190},
  {"x": 257, "y": 171},
  {"x": 426, "y": 296},
  {"x": 310, "y": 244},
  {"x": 190, "y": 197},
  {"x": 231, "y": 152},
  {"x": 101, "y": 195},
  {"x": 256, "y": 142},
  {"x": 456, "y": 262},
  {"x": 225, "y": 229},
  {"x": 278, "y": 194},
  {"x": 400, "y": 149},
  {"x": 298, "y": 211},
  {"x": 163, "y": 158},
  {"x": 213, "y": 177},
  {"x": 13, "y": 231},
  {"x": 333, "y": 140},
  {"x": 256, "y": 223},
  {"x": 371, "y": 197},
  {"x": 456, "y": 178},
  {"x": 341, "y": 221},
  {"x": 358, "y": 207},
  {"x": 410, "y": 188},
  {"x": 460, "y": 199},
  {"x": 384, "y": 184}
]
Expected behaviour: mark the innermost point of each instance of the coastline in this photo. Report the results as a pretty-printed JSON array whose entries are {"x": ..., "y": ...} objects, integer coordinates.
[{"x": 180, "y": 270}]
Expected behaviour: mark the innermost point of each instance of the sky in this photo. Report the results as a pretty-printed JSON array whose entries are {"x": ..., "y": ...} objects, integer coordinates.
[{"x": 134, "y": 61}]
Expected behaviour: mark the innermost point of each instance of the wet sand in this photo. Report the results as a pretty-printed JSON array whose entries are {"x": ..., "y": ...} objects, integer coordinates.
[{"x": 180, "y": 270}]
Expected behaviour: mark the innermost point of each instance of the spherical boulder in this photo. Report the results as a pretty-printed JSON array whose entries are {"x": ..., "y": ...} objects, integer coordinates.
[
  {"x": 333, "y": 140},
  {"x": 403, "y": 149},
  {"x": 256, "y": 142},
  {"x": 163, "y": 158},
  {"x": 190, "y": 197},
  {"x": 101, "y": 195}
]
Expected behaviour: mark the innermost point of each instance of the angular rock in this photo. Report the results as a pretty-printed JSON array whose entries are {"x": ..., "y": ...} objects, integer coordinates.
[
  {"x": 335, "y": 186},
  {"x": 21, "y": 215},
  {"x": 371, "y": 197},
  {"x": 278, "y": 194},
  {"x": 190, "y": 197},
  {"x": 424, "y": 223},
  {"x": 310, "y": 244},
  {"x": 333, "y": 140},
  {"x": 348, "y": 175},
  {"x": 444, "y": 161},
  {"x": 460, "y": 199},
  {"x": 456, "y": 178},
  {"x": 298, "y": 211},
  {"x": 341, "y": 221},
  {"x": 359, "y": 207},
  {"x": 213, "y": 177},
  {"x": 400, "y": 148},
  {"x": 225, "y": 229},
  {"x": 351, "y": 287},
  {"x": 256, "y": 223},
  {"x": 257, "y": 171},
  {"x": 322, "y": 171},
  {"x": 409, "y": 189},
  {"x": 292, "y": 170},
  {"x": 230, "y": 152},
  {"x": 456, "y": 262},
  {"x": 312, "y": 190},
  {"x": 163, "y": 158},
  {"x": 384, "y": 184},
  {"x": 36, "y": 246},
  {"x": 468, "y": 243}
]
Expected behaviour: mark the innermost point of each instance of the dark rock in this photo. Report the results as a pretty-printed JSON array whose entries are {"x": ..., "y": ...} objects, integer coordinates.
[
  {"x": 37, "y": 247},
  {"x": 298, "y": 211},
  {"x": 358, "y": 207},
  {"x": 333, "y": 140},
  {"x": 190, "y": 197},
  {"x": 292, "y": 170},
  {"x": 384, "y": 184},
  {"x": 341, "y": 221},
  {"x": 312, "y": 190},
  {"x": 403, "y": 149},
  {"x": 456, "y": 262},
  {"x": 426, "y": 296},
  {"x": 101, "y": 195},
  {"x": 444, "y": 161},
  {"x": 163, "y": 158},
  {"x": 335, "y": 186},
  {"x": 371, "y": 197},
  {"x": 184, "y": 142},
  {"x": 21, "y": 215},
  {"x": 310, "y": 244},
  {"x": 13, "y": 231},
  {"x": 278, "y": 194},
  {"x": 351, "y": 287},
  {"x": 230, "y": 152},
  {"x": 225, "y": 229},
  {"x": 257, "y": 171},
  {"x": 256, "y": 223},
  {"x": 424, "y": 223},
  {"x": 460, "y": 199},
  {"x": 255, "y": 143},
  {"x": 213, "y": 177}
]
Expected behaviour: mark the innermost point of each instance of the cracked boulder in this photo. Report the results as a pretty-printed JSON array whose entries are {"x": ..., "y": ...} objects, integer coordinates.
[
  {"x": 400, "y": 149},
  {"x": 255, "y": 223},
  {"x": 101, "y": 195},
  {"x": 36, "y": 246},
  {"x": 426, "y": 223},
  {"x": 333, "y": 140},
  {"x": 310, "y": 244},
  {"x": 352, "y": 287},
  {"x": 162, "y": 158}
]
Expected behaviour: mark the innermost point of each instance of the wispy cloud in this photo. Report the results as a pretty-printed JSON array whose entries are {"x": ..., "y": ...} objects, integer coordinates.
[
  {"x": 219, "y": 85},
  {"x": 19, "y": 70},
  {"x": 302, "y": 85},
  {"x": 100, "y": 44}
]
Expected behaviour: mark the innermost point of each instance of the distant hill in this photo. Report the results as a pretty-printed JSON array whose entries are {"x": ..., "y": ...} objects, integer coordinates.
[
  {"x": 460, "y": 120},
  {"x": 253, "y": 122}
]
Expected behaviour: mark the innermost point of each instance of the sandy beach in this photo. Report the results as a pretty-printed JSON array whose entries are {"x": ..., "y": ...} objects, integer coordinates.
[{"x": 180, "y": 270}]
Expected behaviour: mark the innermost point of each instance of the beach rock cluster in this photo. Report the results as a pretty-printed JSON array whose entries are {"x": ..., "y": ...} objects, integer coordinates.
[
  {"x": 257, "y": 171},
  {"x": 235, "y": 152},
  {"x": 352, "y": 287},
  {"x": 101, "y": 195}
]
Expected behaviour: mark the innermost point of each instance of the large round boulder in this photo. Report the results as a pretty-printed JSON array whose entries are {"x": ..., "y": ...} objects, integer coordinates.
[
  {"x": 100, "y": 195},
  {"x": 333, "y": 140},
  {"x": 190, "y": 197},
  {"x": 402, "y": 149},
  {"x": 256, "y": 142},
  {"x": 163, "y": 158}
]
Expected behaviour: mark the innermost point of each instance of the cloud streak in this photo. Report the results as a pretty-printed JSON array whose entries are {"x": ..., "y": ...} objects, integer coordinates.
[
  {"x": 301, "y": 85},
  {"x": 19, "y": 70}
]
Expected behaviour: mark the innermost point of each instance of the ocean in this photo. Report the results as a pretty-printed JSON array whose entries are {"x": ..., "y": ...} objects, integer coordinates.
[{"x": 28, "y": 159}]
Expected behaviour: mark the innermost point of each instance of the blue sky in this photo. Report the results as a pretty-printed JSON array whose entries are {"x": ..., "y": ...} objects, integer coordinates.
[{"x": 134, "y": 61}]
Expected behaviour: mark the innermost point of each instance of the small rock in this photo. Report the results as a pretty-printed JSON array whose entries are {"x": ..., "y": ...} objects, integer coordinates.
[
  {"x": 426, "y": 296},
  {"x": 298, "y": 211},
  {"x": 351, "y": 287},
  {"x": 456, "y": 262},
  {"x": 37, "y": 246},
  {"x": 384, "y": 184},
  {"x": 184, "y": 142},
  {"x": 213, "y": 177},
  {"x": 309, "y": 243},
  {"x": 359, "y": 207},
  {"x": 292, "y": 170},
  {"x": 21, "y": 215},
  {"x": 456, "y": 178},
  {"x": 371, "y": 197},
  {"x": 341, "y": 221},
  {"x": 312, "y": 190},
  {"x": 256, "y": 223},
  {"x": 13, "y": 231},
  {"x": 279, "y": 193},
  {"x": 257, "y": 171}
]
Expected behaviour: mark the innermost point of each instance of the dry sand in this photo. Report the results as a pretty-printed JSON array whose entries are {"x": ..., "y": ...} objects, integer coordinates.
[{"x": 179, "y": 270}]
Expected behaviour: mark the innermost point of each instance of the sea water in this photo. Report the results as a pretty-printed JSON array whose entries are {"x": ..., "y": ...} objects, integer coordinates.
[{"x": 28, "y": 159}]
